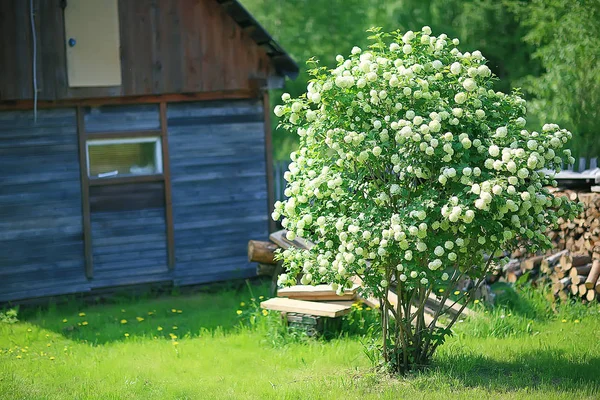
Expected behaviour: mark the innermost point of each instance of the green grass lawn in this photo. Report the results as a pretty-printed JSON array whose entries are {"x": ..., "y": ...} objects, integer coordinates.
[{"x": 193, "y": 347}]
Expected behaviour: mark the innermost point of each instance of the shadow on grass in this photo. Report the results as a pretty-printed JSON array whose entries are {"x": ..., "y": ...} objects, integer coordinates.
[
  {"x": 534, "y": 369},
  {"x": 123, "y": 317}
]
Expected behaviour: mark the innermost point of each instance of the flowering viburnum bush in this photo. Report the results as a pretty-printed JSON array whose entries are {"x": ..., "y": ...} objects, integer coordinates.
[{"x": 410, "y": 169}]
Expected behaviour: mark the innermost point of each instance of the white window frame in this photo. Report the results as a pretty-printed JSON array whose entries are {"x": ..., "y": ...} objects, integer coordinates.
[{"x": 158, "y": 160}]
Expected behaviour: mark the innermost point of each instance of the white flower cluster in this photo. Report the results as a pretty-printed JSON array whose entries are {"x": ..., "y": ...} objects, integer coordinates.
[{"x": 411, "y": 166}]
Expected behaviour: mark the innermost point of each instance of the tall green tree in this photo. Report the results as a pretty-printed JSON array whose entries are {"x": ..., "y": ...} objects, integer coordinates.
[{"x": 566, "y": 37}]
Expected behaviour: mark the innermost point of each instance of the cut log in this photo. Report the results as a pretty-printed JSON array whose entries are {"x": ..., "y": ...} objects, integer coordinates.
[
  {"x": 590, "y": 295},
  {"x": 316, "y": 293},
  {"x": 578, "y": 279},
  {"x": 582, "y": 270},
  {"x": 305, "y": 307},
  {"x": 551, "y": 261},
  {"x": 582, "y": 289},
  {"x": 566, "y": 262},
  {"x": 513, "y": 276},
  {"x": 592, "y": 278},
  {"x": 262, "y": 252},
  {"x": 578, "y": 260},
  {"x": 532, "y": 263}
]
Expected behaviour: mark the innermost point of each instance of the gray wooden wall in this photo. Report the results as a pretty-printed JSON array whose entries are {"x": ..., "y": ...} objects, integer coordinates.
[
  {"x": 218, "y": 182},
  {"x": 41, "y": 239},
  {"x": 219, "y": 195}
]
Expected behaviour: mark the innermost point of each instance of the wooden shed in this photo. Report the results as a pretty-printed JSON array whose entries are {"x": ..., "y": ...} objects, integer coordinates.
[{"x": 134, "y": 142}]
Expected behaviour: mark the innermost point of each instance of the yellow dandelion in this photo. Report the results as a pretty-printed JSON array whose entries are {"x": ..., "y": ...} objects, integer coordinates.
[
  {"x": 368, "y": 308},
  {"x": 82, "y": 314},
  {"x": 476, "y": 302},
  {"x": 160, "y": 328},
  {"x": 175, "y": 343},
  {"x": 173, "y": 310},
  {"x": 139, "y": 319},
  {"x": 174, "y": 327},
  {"x": 509, "y": 315},
  {"x": 28, "y": 329},
  {"x": 47, "y": 335},
  {"x": 179, "y": 311},
  {"x": 84, "y": 323},
  {"x": 48, "y": 344},
  {"x": 242, "y": 304},
  {"x": 265, "y": 312},
  {"x": 65, "y": 320},
  {"x": 19, "y": 357},
  {"x": 239, "y": 312},
  {"x": 127, "y": 335},
  {"x": 123, "y": 321},
  {"x": 576, "y": 321},
  {"x": 563, "y": 321},
  {"x": 51, "y": 358},
  {"x": 261, "y": 297},
  {"x": 23, "y": 350},
  {"x": 173, "y": 336},
  {"x": 456, "y": 292},
  {"x": 441, "y": 290}
]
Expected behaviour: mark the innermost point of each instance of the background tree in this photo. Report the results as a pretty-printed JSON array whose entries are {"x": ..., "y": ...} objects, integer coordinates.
[
  {"x": 565, "y": 36},
  {"x": 548, "y": 46}
]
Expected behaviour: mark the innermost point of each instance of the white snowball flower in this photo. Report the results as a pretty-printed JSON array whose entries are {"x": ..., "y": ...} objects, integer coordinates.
[
  {"x": 494, "y": 150},
  {"x": 460, "y": 97},
  {"x": 279, "y": 111},
  {"x": 455, "y": 68},
  {"x": 407, "y": 49},
  {"x": 469, "y": 85}
]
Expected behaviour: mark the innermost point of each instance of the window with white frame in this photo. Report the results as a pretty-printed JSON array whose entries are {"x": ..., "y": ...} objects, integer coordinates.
[{"x": 124, "y": 157}]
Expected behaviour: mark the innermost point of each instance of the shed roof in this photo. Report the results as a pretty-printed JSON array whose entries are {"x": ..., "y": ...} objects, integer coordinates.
[{"x": 284, "y": 64}]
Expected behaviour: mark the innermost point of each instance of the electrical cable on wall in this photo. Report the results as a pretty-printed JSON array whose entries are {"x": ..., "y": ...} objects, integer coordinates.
[{"x": 34, "y": 41}]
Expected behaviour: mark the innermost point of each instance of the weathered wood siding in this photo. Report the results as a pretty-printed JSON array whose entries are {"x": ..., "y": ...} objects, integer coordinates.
[
  {"x": 41, "y": 239},
  {"x": 167, "y": 46},
  {"x": 129, "y": 247},
  {"x": 218, "y": 183}
]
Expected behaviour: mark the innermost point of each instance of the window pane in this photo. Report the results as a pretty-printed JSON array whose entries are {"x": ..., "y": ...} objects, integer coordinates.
[{"x": 123, "y": 159}]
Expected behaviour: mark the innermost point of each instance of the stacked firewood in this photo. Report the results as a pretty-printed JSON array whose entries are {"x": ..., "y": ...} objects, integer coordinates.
[
  {"x": 582, "y": 234},
  {"x": 573, "y": 266}
]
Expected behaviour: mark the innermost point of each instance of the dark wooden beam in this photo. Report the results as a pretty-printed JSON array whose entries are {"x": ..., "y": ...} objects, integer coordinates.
[
  {"x": 122, "y": 134},
  {"x": 125, "y": 180},
  {"x": 269, "y": 159},
  {"x": 167, "y": 175},
  {"x": 166, "y": 98},
  {"x": 85, "y": 196}
]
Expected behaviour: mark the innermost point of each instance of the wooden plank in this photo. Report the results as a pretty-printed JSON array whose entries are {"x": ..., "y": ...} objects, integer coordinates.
[
  {"x": 280, "y": 239},
  {"x": 125, "y": 179},
  {"x": 316, "y": 293},
  {"x": 85, "y": 196},
  {"x": 450, "y": 306},
  {"x": 305, "y": 307},
  {"x": 127, "y": 197},
  {"x": 144, "y": 99},
  {"x": 122, "y": 134},
  {"x": 168, "y": 196}
]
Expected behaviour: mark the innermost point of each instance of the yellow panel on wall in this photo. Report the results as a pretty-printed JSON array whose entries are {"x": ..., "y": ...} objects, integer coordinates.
[{"x": 92, "y": 40}]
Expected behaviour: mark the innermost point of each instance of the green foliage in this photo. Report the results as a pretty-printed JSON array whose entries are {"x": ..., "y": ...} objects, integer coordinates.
[
  {"x": 9, "y": 316},
  {"x": 565, "y": 38},
  {"x": 547, "y": 46}
]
